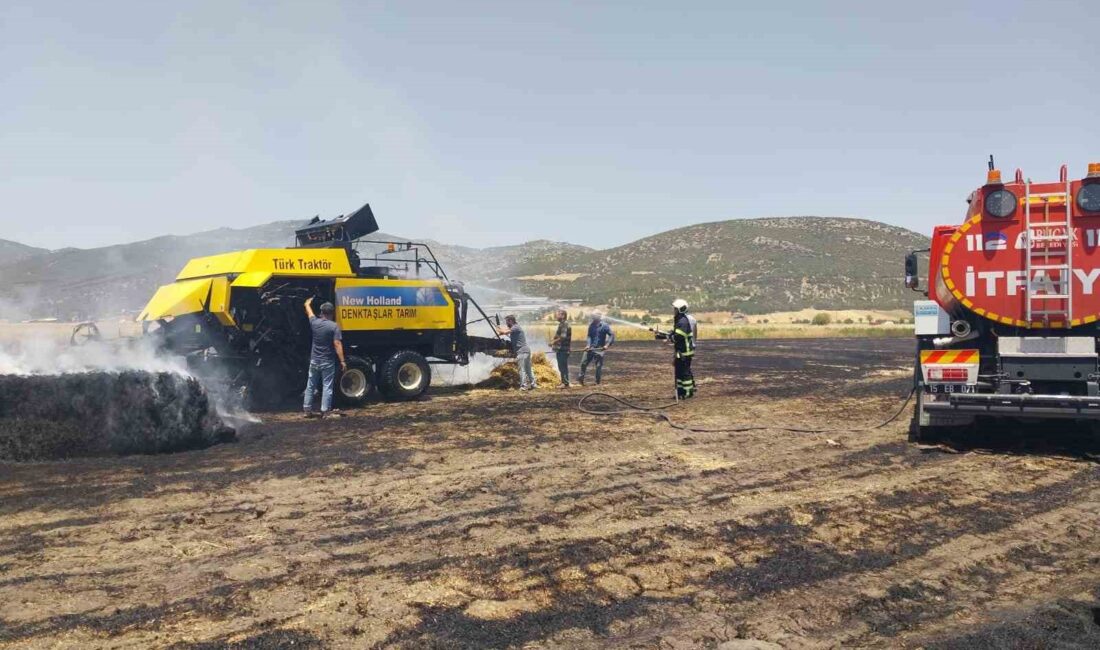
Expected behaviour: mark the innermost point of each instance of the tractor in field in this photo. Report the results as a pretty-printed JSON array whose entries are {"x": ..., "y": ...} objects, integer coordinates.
[
  {"x": 237, "y": 317},
  {"x": 1010, "y": 324}
]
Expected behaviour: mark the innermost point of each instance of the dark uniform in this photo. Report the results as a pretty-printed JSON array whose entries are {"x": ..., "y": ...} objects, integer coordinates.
[
  {"x": 683, "y": 340},
  {"x": 562, "y": 343}
]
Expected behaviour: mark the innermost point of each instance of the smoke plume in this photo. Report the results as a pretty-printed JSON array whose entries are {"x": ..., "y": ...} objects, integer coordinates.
[{"x": 40, "y": 355}]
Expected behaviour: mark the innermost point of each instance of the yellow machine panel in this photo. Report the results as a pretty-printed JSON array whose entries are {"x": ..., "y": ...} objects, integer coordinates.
[
  {"x": 219, "y": 301},
  {"x": 375, "y": 304},
  {"x": 189, "y": 297},
  {"x": 252, "y": 279},
  {"x": 203, "y": 285},
  {"x": 177, "y": 299},
  {"x": 294, "y": 262}
]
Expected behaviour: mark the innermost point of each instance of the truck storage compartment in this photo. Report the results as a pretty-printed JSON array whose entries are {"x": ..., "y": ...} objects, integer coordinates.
[{"x": 1048, "y": 358}]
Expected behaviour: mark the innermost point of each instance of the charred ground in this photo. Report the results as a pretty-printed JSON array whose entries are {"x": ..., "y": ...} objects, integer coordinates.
[{"x": 495, "y": 519}]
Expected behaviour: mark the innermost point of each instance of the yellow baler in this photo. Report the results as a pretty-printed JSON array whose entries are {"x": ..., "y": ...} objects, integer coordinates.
[{"x": 240, "y": 315}]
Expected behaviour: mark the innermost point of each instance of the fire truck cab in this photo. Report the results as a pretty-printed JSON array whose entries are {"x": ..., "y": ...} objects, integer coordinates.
[{"x": 1009, "y": 325}]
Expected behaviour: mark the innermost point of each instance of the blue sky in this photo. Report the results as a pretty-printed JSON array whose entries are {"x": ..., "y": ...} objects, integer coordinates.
[{"x": 494, "y": 123}]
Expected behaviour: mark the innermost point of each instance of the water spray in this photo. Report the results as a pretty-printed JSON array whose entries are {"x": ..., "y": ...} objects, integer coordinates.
[
  {"x": 640, "y": 326},
  {"x": 554, "y": 303}
]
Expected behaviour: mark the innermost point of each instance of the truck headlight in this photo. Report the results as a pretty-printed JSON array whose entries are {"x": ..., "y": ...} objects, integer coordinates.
[
  {"x": 1000, "y": 203},
  {"x": 1088, "y": 197}
]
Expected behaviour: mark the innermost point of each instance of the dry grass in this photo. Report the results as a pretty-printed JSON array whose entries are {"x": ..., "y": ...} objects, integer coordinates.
[
  {"x": 746, "y": 331},
  {"x": 858, "y": 316}
]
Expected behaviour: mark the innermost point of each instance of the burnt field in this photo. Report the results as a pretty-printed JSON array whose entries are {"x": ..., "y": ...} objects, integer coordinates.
[{"x": 483, "y": 518}]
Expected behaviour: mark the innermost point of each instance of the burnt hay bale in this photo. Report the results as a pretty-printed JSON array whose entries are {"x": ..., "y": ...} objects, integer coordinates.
[
  {"x": 506, "y": 375},
  {"x": 104, "y": 414}
]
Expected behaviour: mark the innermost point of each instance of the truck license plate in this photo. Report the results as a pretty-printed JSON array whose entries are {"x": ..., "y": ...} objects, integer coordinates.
[{"x": 951, "y": 388}]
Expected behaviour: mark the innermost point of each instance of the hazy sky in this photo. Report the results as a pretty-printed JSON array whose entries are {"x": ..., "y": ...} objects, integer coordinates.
[{"x": 494, "y": 123}]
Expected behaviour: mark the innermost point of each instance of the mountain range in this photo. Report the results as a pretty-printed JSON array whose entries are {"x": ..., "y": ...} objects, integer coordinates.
[
  {"x": 11, "y": 251},
  {"x": 745, "y": 265}
]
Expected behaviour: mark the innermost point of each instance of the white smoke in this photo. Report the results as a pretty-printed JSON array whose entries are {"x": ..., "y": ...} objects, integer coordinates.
[
  {"x": 482, "y": 365},
  {"x": 475, "y": 372},
  {"x": 18, "y": 302},
  {"x": 39, "y": 355},
  {"x": 27, "y": 352}
]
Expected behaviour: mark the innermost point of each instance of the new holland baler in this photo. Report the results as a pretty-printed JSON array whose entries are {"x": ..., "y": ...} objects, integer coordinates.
[{"x": 238, "y": 317}]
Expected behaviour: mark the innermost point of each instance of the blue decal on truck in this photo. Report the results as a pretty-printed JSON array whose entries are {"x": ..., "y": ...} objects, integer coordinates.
[{"x": 390, "y": 297}]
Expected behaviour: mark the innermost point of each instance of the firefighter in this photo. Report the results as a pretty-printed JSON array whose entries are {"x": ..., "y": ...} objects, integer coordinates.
[{"x": 682, "y": 338}]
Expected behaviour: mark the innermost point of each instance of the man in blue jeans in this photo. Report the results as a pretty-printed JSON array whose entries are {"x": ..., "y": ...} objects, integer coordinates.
[
  {"x": 328, "y": 348},
  {"x": 600, "y": 338}
]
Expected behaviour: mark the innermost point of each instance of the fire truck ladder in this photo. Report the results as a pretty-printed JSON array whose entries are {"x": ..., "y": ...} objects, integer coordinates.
[{"x": 1049, "y": 249}]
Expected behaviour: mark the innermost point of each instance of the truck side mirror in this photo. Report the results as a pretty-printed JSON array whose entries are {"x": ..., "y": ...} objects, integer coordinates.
[{"x": 911, "y": 279}]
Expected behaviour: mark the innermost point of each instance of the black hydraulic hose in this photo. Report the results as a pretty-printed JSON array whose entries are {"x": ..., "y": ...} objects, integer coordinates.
[
  {"x": 658, "y": 411},
  {"x": 484, "y": 316}
]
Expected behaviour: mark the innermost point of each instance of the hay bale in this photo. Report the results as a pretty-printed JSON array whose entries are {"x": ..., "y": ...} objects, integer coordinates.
[
  {"x": 104, "y": 414},
  {"x": 506, "y": 375}
]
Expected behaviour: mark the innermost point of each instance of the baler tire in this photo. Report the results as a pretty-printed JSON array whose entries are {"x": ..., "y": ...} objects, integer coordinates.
[
  {"x": 404, "y": 375},
  {"x": 355, "y": 385}
]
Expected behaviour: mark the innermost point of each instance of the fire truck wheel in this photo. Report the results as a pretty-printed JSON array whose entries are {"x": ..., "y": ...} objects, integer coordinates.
[
  {"x": 915, "y": 433},
  {"x": 405, "y": 375},
  {"x": 926, "y": 435},
  {"x": 355, "y": 385}
]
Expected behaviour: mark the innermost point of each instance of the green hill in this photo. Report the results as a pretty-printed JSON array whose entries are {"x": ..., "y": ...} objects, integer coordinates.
[{"x": 746, "y": 265}]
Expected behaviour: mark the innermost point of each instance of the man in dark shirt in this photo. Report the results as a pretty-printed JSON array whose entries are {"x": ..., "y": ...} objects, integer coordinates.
[
  {"x": 561, "y": 344},
  {"x": 327, "y": 349},
  {"x": 600, "y": 338},
  {"x": 518, "y": 337}
]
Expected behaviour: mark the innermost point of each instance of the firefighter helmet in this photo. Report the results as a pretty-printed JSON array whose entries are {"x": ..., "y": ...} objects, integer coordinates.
[{"x": 680, "y": 305}]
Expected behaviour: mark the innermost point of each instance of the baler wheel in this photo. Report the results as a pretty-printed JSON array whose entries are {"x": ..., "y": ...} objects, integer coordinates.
[
  {"x": 355, "y": 385},
  {"x": 85, "y": 333},
  {"x": 405, "y": 375}
]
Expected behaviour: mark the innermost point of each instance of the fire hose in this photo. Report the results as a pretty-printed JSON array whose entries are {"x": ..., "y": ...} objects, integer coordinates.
[{"x": 658, "y": 411}]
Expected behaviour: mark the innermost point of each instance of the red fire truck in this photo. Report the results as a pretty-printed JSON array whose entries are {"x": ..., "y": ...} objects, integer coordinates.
[{"x": 1011, "y": 322}]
